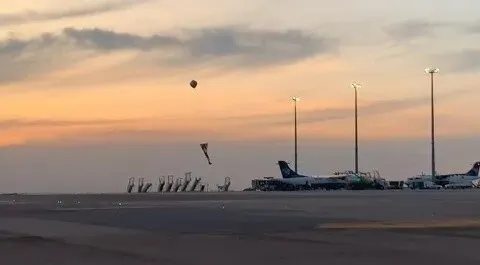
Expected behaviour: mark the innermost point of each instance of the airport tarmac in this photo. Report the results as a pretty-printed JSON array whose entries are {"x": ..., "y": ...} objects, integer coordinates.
[{"x": 333, "y": 227}]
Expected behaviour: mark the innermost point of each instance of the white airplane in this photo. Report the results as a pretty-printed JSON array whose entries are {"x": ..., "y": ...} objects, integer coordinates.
[
  {"x": 455, "y": 180},
  {"x": 462, "y": 181},
  {"x": 292, "y": 180}
]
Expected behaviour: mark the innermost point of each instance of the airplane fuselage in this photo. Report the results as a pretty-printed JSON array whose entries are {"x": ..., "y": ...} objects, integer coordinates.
[
  {"x": 467, "y": 179},
  {"x": 305, "y": 183},
  {"x": 453, "y": 180}
]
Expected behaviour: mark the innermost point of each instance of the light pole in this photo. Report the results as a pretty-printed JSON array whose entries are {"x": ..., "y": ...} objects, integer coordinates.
[
  {"x": 356, "y": 86},
  {"x": 295, "y": 100},
  {"x": 432, "y": 71}
]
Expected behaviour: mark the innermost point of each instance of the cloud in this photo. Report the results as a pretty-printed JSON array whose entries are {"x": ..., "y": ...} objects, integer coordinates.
[
  {"x": 408, "y": 34},
  {"x": 257, "y": 47},
  {"x": 244, "y": 46},
  {"x": 23, "y": 123},
  {"x": 473, "y": 28},
  {"x": 21, "y": 59},
  {"x": 322, "y": 115},
  {"x": 412, "y": 29},
  {"x": 31, "y": 16},
  {"x": 465, "y": 61},
  {"x": 106, "y": 40},
  {"x": 227, "y": 46}
]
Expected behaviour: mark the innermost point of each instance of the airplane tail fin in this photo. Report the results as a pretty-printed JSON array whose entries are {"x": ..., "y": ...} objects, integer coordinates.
[
  {"x": 475, "y": 169},
  {"x": 287, "y": 172}
]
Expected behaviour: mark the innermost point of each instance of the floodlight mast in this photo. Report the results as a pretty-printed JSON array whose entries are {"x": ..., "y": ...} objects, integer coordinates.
[
  {"x": 295, "y": 100},
  {"x": 431, "y": 72},
  {"x": 356, "y": 86}
]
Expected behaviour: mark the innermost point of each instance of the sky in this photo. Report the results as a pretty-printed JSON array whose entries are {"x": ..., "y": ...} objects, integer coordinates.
[{"x": 93, "y": 92}]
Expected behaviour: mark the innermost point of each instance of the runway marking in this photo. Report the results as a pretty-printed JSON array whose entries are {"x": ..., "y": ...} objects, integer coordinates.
[
  {"x": 130, "y": 205},
  {"x": 119, "y": 207},
  {"x": 402, "y": 225},
  {"x": 17, "y": 203}
]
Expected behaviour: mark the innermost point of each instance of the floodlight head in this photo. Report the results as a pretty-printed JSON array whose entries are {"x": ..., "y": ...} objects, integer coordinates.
[
  {"x": 432, "y": 70},
  {"x": 295, "y": 99},
  {"x": 356, "y": 85}
]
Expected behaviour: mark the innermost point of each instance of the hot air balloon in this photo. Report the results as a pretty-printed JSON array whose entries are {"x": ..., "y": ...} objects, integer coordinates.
[{"x": 193, "y": 84}]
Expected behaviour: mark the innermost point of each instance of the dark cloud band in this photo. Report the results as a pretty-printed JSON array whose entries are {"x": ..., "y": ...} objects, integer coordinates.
[
  {"x": 28, "y": 17},
  {"x": 227, "y": 46}
]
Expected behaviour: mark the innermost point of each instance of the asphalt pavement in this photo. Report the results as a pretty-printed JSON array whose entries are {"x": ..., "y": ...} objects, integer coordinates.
[{"x": 330, "y": 227}]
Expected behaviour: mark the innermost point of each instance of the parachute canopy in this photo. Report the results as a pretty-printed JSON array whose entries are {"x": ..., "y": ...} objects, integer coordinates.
[{"x": 193, "y": 83}]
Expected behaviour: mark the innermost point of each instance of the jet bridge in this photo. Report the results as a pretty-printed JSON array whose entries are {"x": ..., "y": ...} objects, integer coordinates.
[
  {"x": 195, "y": 184},
  {"x": 225, "y": 186},
  {"x": 169, "y": 183},
  {"x": 178, "y": 183},
  {"x": 131, "y": 184},
  {"x": 140, "y": 185},
  {"x": 146, "y": 187},
  {"x": 161, "y": 183},
  {"x": 188, "y": 179},
  {"x": 202, "y": 187}
]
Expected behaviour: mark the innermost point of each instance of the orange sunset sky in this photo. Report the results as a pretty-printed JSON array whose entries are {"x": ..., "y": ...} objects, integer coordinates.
[{"x": 86, "y": 79}]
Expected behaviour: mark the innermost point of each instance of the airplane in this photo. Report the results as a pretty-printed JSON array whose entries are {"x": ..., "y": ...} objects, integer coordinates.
[
  {"x": 468, "y": 180},
  {"x": 453, "y": 180},
  {"x": 470, "y": 176},
  {"x": 292, "y": 178}
]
